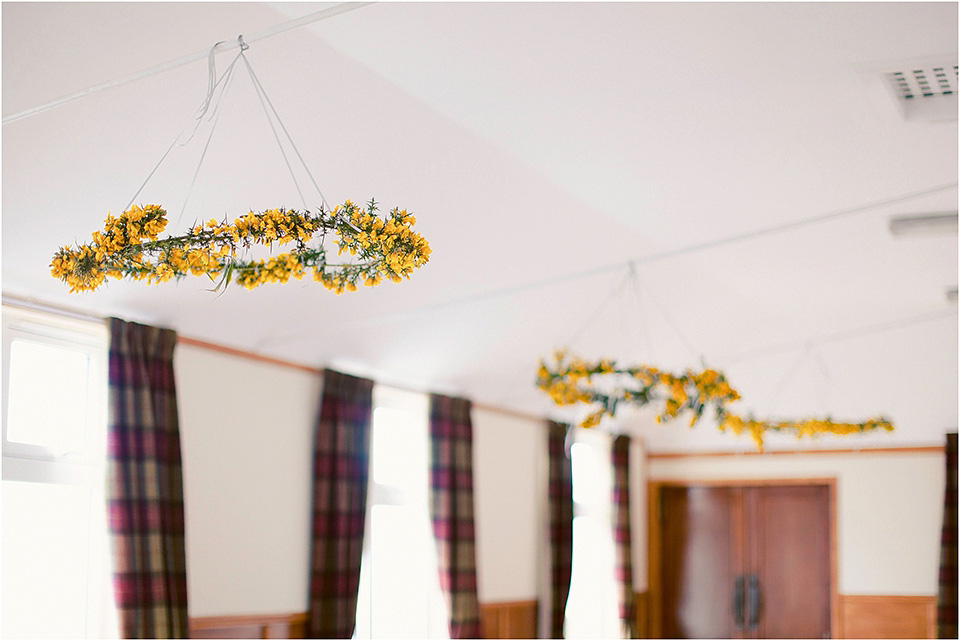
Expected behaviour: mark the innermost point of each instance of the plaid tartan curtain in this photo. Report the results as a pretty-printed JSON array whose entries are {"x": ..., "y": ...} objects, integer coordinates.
[
  {"x": 621, "y": 531},
  {"x": 145, "y": 484},
  {"x": 451, "y": 509},
  {"x": 947, "y": 598},
  {"x": 561, "y": 523},
  {"x": 340, "y": 461}
]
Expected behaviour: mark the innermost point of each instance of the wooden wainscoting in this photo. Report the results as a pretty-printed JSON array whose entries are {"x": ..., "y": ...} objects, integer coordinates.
[
  {"x": 888, "y": 617},
  {"x": 640, "y": 599},
  {"x": 510, "y": 620},
  {"x": 250, "y": 626}
]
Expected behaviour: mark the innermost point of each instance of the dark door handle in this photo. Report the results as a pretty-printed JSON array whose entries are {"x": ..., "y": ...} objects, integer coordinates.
[
  {"x": 738, "y": 594},
  {"x": 753, "y": 601}
]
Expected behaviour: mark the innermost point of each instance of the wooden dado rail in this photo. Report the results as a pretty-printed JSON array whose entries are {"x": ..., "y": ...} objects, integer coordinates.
[
  {"x": 250, "y": 626},
  {"x": 888, "y": 617},
  {"x": 865, "y": 616},
  {"x": 860, "y": 617},
  {"x": 512, "y": 620}
]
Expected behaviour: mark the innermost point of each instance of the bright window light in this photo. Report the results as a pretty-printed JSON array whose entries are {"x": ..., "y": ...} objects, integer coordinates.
[
  {"x": 55, "y": 573},
  {"x": 399, "y": 453},
  {"x": 400, "y": 596},
  {"x": 35, "y": 370},
  {"x": 592, "y": 605},
  {"x": 46, "y": 533}
]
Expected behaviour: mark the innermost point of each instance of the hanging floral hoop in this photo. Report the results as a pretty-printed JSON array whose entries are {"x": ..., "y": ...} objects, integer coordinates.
[
  {"x": 129, "y": 247},
  {"x": 572, "y": 381}
]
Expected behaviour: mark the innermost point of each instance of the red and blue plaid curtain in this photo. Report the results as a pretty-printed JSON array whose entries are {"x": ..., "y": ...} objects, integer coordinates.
[
  {"x": 561, "y": 523},
  {"x": 145, "y": 484},
  {"x": 621, "y": 531},
  {"x": 340, "y": 466},
  {"x": 947, "y": 598},
  {"x": 451, "y": 509}
]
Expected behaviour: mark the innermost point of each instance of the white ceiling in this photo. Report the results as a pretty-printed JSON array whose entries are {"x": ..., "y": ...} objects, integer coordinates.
[{"x": 542, "y": 147}]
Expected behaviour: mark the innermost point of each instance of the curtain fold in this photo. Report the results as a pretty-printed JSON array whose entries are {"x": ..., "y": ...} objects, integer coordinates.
[
  {"x": 622, "y": 535},
  {"x": 947, "y": 596},
  {"x": 451, "y": 510},
  {"x": 561, "y": 523},
  {"x": 340, "y": 468},
  {"x": 145, "y": 483}
]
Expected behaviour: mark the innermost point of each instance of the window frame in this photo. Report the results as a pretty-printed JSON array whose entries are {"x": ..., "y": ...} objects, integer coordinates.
[
  {"x": 84, "y": 467},
  {"x": 85, "y": 337}
]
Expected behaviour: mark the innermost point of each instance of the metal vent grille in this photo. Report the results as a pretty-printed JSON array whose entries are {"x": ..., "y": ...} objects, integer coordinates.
[{"x": 925, "y": 82}]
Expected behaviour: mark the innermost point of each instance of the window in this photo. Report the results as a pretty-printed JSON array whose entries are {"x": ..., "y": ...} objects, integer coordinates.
[
  {"x": 400, "y": 595},
  {"x": 55, "y": 548},
  {"x": 592, "y": 605}
]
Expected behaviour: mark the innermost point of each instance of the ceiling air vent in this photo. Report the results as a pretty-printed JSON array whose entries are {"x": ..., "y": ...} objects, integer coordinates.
[{"x": 927, "y": 92}]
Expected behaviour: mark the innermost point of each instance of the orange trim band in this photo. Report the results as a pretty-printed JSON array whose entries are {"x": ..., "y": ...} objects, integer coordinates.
[{"x": 921, "y": 449}]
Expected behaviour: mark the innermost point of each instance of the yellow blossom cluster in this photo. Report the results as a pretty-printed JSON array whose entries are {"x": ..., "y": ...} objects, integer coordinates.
[
  {"x": 804, "y": 428},
  {"x": 128, "y": 247},
  {"x": 402, "y": 249},
  {"x": 572, "y": 381},
  {"x": 86, "y": 267}
]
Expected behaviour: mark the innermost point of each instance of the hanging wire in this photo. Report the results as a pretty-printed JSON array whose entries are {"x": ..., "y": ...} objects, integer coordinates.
[
  {"x": 264, "y": 97},
  {"x": 614, "y": 292},
  {"x": 323, "y": 14},
  {"x": 773, "y": 397},
  {"x": 645, "y": 329},
  {"x": 667, "y": 317},
  {"x": 688, "y": 249},
  {"x": 215, "y": 117},
  {"x": 214, "y": 99},
  {"x": 836, "y": 337},
  {"x": 827, "y": 384},
  {"x": 198, "y": 116}
]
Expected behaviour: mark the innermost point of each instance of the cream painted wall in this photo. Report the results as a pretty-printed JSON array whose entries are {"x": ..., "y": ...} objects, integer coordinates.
[
  {"x": 247, "y": 438},
  {"x": 509, "y": 458},
  {"x": 889, "y": 510},
  {"x": 246, "y": 430}
]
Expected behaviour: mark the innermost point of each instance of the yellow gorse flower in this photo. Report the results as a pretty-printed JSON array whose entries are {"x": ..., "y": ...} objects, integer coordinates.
[
  {"x": 128, "y": 247},
  {"x": 570, "y": 382}
]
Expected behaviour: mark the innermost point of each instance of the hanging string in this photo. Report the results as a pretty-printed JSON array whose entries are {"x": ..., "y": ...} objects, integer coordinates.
[
  {"x": 215, "y": 116},
  {"x": 264, "y": 97},
  {"x": 689, "y": 249},
  {"x": 773, "y": 397},
  {"x": 836, "y": 337},
  {"x": 261, "y": 95},
  {"x": 614, "y": 292},
  {"x": 825, "y": 379},
  {"x": 211, "y": 87},
  {"x": 663, "y": 312},
  {"x": 643, "y": 313}
]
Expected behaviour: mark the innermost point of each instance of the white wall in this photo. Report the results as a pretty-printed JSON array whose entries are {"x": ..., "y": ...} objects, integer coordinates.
[
  {"x": 889, "y": 510},
  {"x": 509, "y": 459},
  {"x": 247, "y": 437}
]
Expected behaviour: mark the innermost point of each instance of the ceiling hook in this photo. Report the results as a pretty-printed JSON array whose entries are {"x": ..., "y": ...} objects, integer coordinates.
[{"x": 243, "y": 45}]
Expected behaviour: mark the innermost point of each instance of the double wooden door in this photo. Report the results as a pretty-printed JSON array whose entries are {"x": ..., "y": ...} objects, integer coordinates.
[{"x": 741, "y": 561}]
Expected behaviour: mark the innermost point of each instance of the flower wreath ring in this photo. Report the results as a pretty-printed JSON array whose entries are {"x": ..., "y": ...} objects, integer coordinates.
[
  {"x": 129, "y": 247},
  {"x": 572, "y": 381}
]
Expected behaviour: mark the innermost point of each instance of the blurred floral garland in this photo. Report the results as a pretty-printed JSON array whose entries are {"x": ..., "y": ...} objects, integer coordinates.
[
  {"x": 570, "y": 381},
  {"x": 129, "y": 247}
]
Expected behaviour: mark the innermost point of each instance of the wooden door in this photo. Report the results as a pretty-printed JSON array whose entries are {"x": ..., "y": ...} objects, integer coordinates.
[
  {"x": 790, "y": 556},
  {"x": 701, "y": 557},
  {"x": 741, "y": 561}
]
